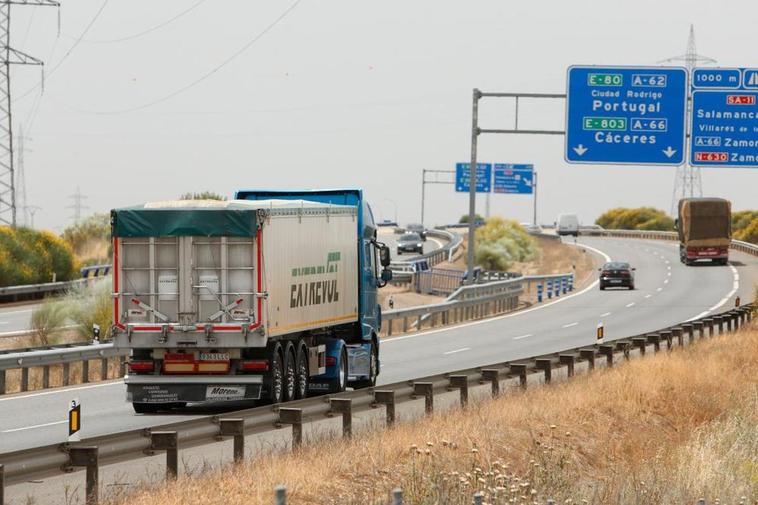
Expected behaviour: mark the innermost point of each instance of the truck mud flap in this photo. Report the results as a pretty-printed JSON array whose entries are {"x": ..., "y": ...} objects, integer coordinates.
[
  {"x": 169, "y": 393},
  {"x": 358, "y": 361}
]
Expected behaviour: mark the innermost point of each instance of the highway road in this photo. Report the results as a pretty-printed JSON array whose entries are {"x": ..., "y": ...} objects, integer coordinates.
[
  {"x": 667, "y": 293},
  {"x": 390, "y": 238}
]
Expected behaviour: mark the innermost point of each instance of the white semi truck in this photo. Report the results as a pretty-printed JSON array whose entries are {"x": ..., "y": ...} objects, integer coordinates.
[{"x": 272, "y": 296}]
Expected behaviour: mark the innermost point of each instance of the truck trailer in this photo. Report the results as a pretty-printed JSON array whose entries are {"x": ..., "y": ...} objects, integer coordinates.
[
  {"x": 269, "y": 297},
  {"x": 705, "y": 230}
]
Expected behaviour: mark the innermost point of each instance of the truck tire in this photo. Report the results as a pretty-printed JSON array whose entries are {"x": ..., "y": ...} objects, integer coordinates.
[
  {"x": 273, "y": 381},
  {"x": 302, "y": 372},
  {"x": 290, "y": 374},
  {"x": 152, "y": 408},
  {"x": 339, "y": 384},
  {"x": 373, "y": 370}
]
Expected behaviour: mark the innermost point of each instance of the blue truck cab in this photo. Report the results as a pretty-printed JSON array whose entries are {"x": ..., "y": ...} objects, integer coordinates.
[{"x": 352, "y": 351}]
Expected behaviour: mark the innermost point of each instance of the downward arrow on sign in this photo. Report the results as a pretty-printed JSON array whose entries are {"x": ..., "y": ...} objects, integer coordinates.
[
  {"x": 669, "y": 152},
  {"x": 580, "y": 149}
]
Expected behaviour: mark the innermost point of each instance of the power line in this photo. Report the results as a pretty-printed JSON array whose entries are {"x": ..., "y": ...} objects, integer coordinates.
[
  {"x": 146, "y": 31},
  {"x": 205, "y": 76}
]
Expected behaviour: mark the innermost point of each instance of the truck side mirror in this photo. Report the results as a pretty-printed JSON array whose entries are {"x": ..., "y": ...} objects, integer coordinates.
[
  {"x": 386, "y": 275},
  {"x": 384, "y": 257}
]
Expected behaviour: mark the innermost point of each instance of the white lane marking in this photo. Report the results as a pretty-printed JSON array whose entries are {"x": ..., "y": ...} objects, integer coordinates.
[
  {"x": 665, "y": 281},
  {"x": 4, "y": 322},
  {"x": 735, "y": 287},
  {"x": 522, "y": 336},
  {"x": 630, "y": 304},
  {"x": 569, "y": 325},
  {"x": 515, "y": 314},
  {"x": 648, "y": 295},
  {"x": 62, "y": 391},
  {"x": 668, "y": 274},
  {"x": 669, "y": 267},
  {"x": 606, "y": 314},
  {"x": 659, "y": 289},
  {"x": 667, "y": 262},
  {"x": 5, "y": 312},
  {"x": 462, "y": 349},
  {"x": 437, "y": 242},
  {"x": 35, "y": 426}
]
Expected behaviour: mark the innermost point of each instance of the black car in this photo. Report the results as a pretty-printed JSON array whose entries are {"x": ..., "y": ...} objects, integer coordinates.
[
  {"x": 410, "y": 242},
  {"x": 617, "y": 274},
  {"x": 417, "y": 228}
]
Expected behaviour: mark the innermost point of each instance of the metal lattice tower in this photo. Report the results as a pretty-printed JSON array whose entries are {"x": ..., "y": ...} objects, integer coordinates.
[
  {"x": 10, "y": 57},
  {"x": 78, "y": 204},
  {"x": 688, "y": 182},
  {"x": 21, "y": 202}
]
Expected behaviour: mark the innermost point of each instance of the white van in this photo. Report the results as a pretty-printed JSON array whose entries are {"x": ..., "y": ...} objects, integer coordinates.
[{"x": 568, "y": 224}]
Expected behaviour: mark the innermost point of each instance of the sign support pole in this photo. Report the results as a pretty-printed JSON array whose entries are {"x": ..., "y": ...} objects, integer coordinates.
[
  {"x": 472, "y": 186},
  {"x": 534, "y": 190}
]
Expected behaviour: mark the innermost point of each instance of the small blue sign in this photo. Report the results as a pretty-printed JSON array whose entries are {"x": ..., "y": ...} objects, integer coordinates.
[
  {"x": 483, "y": 177},
  {"x": 725, "y": 118},
  {"x": 626, "y": 115},
  {"x": 514, "y": 179}
]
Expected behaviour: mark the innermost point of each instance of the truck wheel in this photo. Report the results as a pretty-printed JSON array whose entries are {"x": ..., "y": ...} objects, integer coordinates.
[
  {"x": 373, "y": 370},
  {"x": 339, "y": 384},
  {"x": 301, "y": 370},
  {"x": 274, "y": 379},
  {"x": 290, "y": 374}
]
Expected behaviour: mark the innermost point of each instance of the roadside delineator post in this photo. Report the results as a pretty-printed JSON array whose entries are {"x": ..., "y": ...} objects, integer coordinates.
[
  {"x": 86, "y": 457},
  {"x": 460, "y": 382},
  {"x": 344, "y": 406},
  {"x": 600, "y": 333},
  {"x": 280, "y": 495},
  {"x": 425, "y": 389},
  {"x": 492, "y": 375},
  {"x": 167, "y": 441},
  {"x": 397, "y": 496},
  {"x": 295, "y": 418},
  {"x": 234, "y": 428},
  {"x": 737, "y": 301},
  {"x": 387, "y": 398}
]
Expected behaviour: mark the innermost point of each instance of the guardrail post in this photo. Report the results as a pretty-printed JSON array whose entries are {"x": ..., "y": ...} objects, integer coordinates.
[
  {"x": 295, "y": 418},
  {"x": 549, "y": 289},
  {"x": 568, "y": 360},
  {"x": 122, "y": 366},
  {"x": 729, "y": 321},
  {"x": 608, "y": 351},
  {"x": 589, "y": 356},
  {"x": 689, "y": 330},
  {"x": 2, "y": 383},
  {"x": 234, "y": 428},
  {"x": 85, "y": 371},
  {"x": 45, "y": 381},
  {"x": 397, "y": 496},
  {"x": 86, "y": 457},
  {"x": 655, "y": 339},
  {"x": 66, "y": 374},
  {"x": 2, "y": 484},
  {"x": 545, "y": 365},
  {"x": 387, "y": 398},
  {"x": 749, "y": 314},
  {"x": 641, "y": 344},
  {"x": 719, "y": 322},
  {"x": 460, "y": 382},
  {"x": 25, "y": 379},
  {"x": 343, "y": 406},
  {"x": 492, "y": 375},
  {"x": 280, "y": 495},
  {"x": 520, "y": 370},
  {"x": 104, "y": 369},
  {"x": 737, "y": 319},
  {"x": 167, "y": 441},
  {"x": 678, "y": 333},
  {"x": 425, "y": 389},
  {"x": 666, "y": 335},
  {"x": 708, "y": 323},
  {"x": 700, "y": 328}
]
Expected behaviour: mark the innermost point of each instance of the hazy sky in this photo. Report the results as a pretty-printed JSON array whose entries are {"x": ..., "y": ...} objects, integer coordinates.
[{"x": 339, "y": 93}]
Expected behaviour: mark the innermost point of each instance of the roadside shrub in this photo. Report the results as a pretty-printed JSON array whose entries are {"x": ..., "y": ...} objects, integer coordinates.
[
  {"x": 749, "y": 233},
  {"x": 743, "y": 219},
  {"x": 203, "y": 195},
  {"x": 46, "y": 321},
  {"x": 90, "y": 239},
  {"x": 501, "y": 242},
  {"x": 31, "y": 257},
  {"x": 91, "y": 304},
  {"x": 642, "y": 218}
]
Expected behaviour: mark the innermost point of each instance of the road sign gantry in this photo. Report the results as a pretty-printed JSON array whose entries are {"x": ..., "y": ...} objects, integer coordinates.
[{"x": 626, "y": 115}]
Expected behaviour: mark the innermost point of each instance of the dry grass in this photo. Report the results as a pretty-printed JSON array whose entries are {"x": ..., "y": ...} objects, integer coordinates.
[
  {"x": 665, "y": 429},
  {"x": 13, "y": 377}
]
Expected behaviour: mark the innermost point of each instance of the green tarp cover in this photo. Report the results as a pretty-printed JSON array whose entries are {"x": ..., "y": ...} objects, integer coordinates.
[{"x": 225, "y": 219}]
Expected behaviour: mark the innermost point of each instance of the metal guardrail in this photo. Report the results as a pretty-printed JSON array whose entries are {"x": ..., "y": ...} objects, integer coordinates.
[
  {"x": 23, "y": 465},
  {"x": 402, "y": 271},
  {"x": 31, "y": 290}
]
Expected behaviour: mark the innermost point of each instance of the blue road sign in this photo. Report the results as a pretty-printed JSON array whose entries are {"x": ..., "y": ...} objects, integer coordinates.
[
  {"x": 513, "y": 179},
  {"x": 724, "y": 117},
  {"x": 625, "y": 115},
  {"x": 483, "y": 177}
]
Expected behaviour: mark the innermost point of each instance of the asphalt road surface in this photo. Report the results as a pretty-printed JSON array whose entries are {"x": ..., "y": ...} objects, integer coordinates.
[{"x": 667, "y": 293}]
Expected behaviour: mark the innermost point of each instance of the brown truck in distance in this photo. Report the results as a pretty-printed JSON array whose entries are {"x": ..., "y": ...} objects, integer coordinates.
[{"x": 705, "y": 230}]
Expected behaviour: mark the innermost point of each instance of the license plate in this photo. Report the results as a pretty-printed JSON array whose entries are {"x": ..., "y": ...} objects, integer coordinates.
[
  {"x": 615, "y": 281},
  {"x": 214, "y": 356},
  {"x": 225, "y": 393}
]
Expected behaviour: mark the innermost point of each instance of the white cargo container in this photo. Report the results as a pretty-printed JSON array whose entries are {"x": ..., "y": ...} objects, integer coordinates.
[{"x": 205, "y": 291}]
